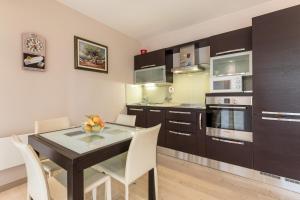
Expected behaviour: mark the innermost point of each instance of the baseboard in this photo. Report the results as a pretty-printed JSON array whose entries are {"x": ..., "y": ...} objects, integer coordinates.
[{"x": 13, "y": 184}]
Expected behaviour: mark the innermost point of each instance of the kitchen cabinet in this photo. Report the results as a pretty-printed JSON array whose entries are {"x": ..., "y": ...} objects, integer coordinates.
[
  {"x": 201, "y": 129},
  {"x": 185, "y": 115},
  {"x": 183, "y": 131},
  {"x": 230, "y": 151},
  {"x": 151, "y": 59},
  {"x": 231, "y": 42},
  {"x": 276, "y": 92},
  {"x": 140, "y": 113},
  {"x": 156, "y": 116},
  {"x": 182, "y": 141}
]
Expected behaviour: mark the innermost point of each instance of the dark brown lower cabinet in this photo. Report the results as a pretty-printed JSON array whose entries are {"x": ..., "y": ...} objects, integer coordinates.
[
  {"x": 140, "y": 113},
  {"x": 230, "y": 151},
  {"x": 201, "y": 132},
  {"x": 185, "y": 142},
  {"x": 176, "y": 125},
  {"x": 183, "y": 129},
  {"x": 156, "y": 116}
]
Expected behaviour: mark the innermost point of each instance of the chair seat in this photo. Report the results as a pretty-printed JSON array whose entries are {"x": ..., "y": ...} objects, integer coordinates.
[
  {"x": 58, "y": 183},
  {"x": 115, "y": 167},
  {"x": 49, "y": 166}
]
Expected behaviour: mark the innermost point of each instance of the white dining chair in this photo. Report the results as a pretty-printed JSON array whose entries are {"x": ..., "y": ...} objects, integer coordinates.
[
  {"x": 128, "y": 120},
  {"x": 38, "y": 188},
  {"x": 141, "y": 158},
  {"x": 46, "y": 126}
]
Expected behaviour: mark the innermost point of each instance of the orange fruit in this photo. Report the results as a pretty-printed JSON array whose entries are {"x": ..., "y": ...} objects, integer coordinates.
[{"x": 87, "y": 128}]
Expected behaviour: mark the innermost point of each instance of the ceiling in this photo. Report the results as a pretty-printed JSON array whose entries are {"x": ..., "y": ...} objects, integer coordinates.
[{"x": 141, "y": 19}]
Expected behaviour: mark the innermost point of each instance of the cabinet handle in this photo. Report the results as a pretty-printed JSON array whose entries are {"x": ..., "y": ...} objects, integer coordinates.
[
  {"x": 280, "y": 116},
  {"x": 280, "y": 113},
  {"x": 136, "y": 109},
  {"x": 227, "y": 141},
  {"x": 231, "y": 51},
  {"x": 179, "y": 133},
  {"x": 200, "y": 121},
  {"x": 280, "y": 119},
  {"x": 180, "y": 112},
  {"x": 147, "y": 66},
  {"x": 155, "y": 110},
  {"x": 183, "y": 123}
]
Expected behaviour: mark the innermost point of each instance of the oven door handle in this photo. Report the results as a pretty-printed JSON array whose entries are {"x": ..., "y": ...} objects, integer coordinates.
[{"x": 229, "y": 107}]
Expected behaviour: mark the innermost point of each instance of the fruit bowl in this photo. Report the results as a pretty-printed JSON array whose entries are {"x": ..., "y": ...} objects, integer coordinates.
[{"x": 94, "y": 124}]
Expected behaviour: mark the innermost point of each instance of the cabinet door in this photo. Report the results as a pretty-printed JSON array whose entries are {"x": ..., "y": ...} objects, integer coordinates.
[
  {"x": 230, "y": 151},
  {"x": 184, "y": 115},
  {"x": 151, "y": 59},
  {"x": 201, "y": 132},
  {"x": 182, "y": 141},
  {"x": 140, "y": 113},
  {"x": 276, "y": 92},
  {"x": 177, "y": 125},
  {"x": 231, "y": 42},
  {"x": 154, "y": 117}
]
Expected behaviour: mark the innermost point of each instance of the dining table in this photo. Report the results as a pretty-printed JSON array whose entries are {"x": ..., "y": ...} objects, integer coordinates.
[{"x": 74, "y": 150}]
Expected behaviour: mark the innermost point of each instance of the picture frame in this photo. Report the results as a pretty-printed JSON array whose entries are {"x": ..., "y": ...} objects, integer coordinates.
[
  {"x": 34, "y": 52},
  {"x": 90, "y": 56}
]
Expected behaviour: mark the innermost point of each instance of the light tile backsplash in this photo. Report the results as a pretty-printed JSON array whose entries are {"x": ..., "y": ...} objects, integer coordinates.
[
  {"x": 191, "y": 88},
  {"x": 188, "y": 88},
  {"x": 134, "y": 93}
]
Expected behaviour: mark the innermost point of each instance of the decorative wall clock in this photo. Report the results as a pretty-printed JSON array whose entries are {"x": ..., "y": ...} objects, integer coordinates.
[{"x": 34, "y": 50}]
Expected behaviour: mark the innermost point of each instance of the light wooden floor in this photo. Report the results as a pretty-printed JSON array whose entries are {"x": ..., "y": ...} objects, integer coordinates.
[{"x": 180, "y": 180}]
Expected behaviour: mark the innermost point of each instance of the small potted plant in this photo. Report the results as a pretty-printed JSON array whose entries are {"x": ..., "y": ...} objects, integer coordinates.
[{"x": 94, "y": 124}]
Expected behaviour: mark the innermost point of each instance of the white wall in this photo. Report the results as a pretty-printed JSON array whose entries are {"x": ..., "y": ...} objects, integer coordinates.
[
  {"x": 62, "y": 90},
  {"x": 233, "y": 21}
]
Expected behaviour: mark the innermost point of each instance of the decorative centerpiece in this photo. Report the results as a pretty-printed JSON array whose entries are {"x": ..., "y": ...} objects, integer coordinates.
[{"x": 94, "y": 124}]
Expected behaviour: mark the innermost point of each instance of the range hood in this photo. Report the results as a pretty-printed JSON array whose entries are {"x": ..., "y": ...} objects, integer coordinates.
[{"x": 190, "y": 60}]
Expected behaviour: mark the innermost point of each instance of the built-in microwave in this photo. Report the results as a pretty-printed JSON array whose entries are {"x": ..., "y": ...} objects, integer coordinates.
[{"x": 226, "y": 84}]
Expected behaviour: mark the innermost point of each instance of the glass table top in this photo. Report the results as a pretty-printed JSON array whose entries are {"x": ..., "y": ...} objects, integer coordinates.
[{"x": 80, "y": 142}]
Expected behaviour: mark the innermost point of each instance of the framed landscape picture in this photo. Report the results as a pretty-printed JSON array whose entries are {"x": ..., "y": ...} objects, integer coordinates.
[{"x": 90, "y": 55}]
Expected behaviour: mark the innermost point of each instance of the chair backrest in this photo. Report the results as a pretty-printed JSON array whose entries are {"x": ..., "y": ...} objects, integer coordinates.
[
  {"x": 128, "y": 120},
  {"x": 51, "y": 124},
  {"x": 37, "y": 184},
  {"x": 141, "y": 155}
]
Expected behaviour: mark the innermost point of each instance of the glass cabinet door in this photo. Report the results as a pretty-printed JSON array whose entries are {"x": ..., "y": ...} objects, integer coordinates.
[
  {"x": 233, "y": 64},
  {"x": 150, "y": 75}
]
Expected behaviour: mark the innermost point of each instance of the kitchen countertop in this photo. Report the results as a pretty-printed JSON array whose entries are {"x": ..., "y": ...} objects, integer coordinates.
[{"x": 169, "y": 105}]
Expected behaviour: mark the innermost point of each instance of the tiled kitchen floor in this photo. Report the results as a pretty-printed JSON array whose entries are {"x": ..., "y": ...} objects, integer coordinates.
[{"x": 179, "y": 180}]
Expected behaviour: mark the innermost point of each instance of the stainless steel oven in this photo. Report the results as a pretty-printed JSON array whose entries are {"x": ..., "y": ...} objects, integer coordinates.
[{"x": 229, "y": 117}]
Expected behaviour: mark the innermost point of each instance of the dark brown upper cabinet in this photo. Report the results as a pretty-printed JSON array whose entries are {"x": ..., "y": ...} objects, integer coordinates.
[
  {"x": 231, "y": 42},
  {"x": 276, "y": 92},
  {"x": 151, "y": 59}
]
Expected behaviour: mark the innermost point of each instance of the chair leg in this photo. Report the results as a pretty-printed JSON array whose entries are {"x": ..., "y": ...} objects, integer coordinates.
[
  {"x": 94, "y": 194},
  {"x": 108, "y": 189},
  {"x": 156, "y": 183},
  {"x": 126, "y": 192}
]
